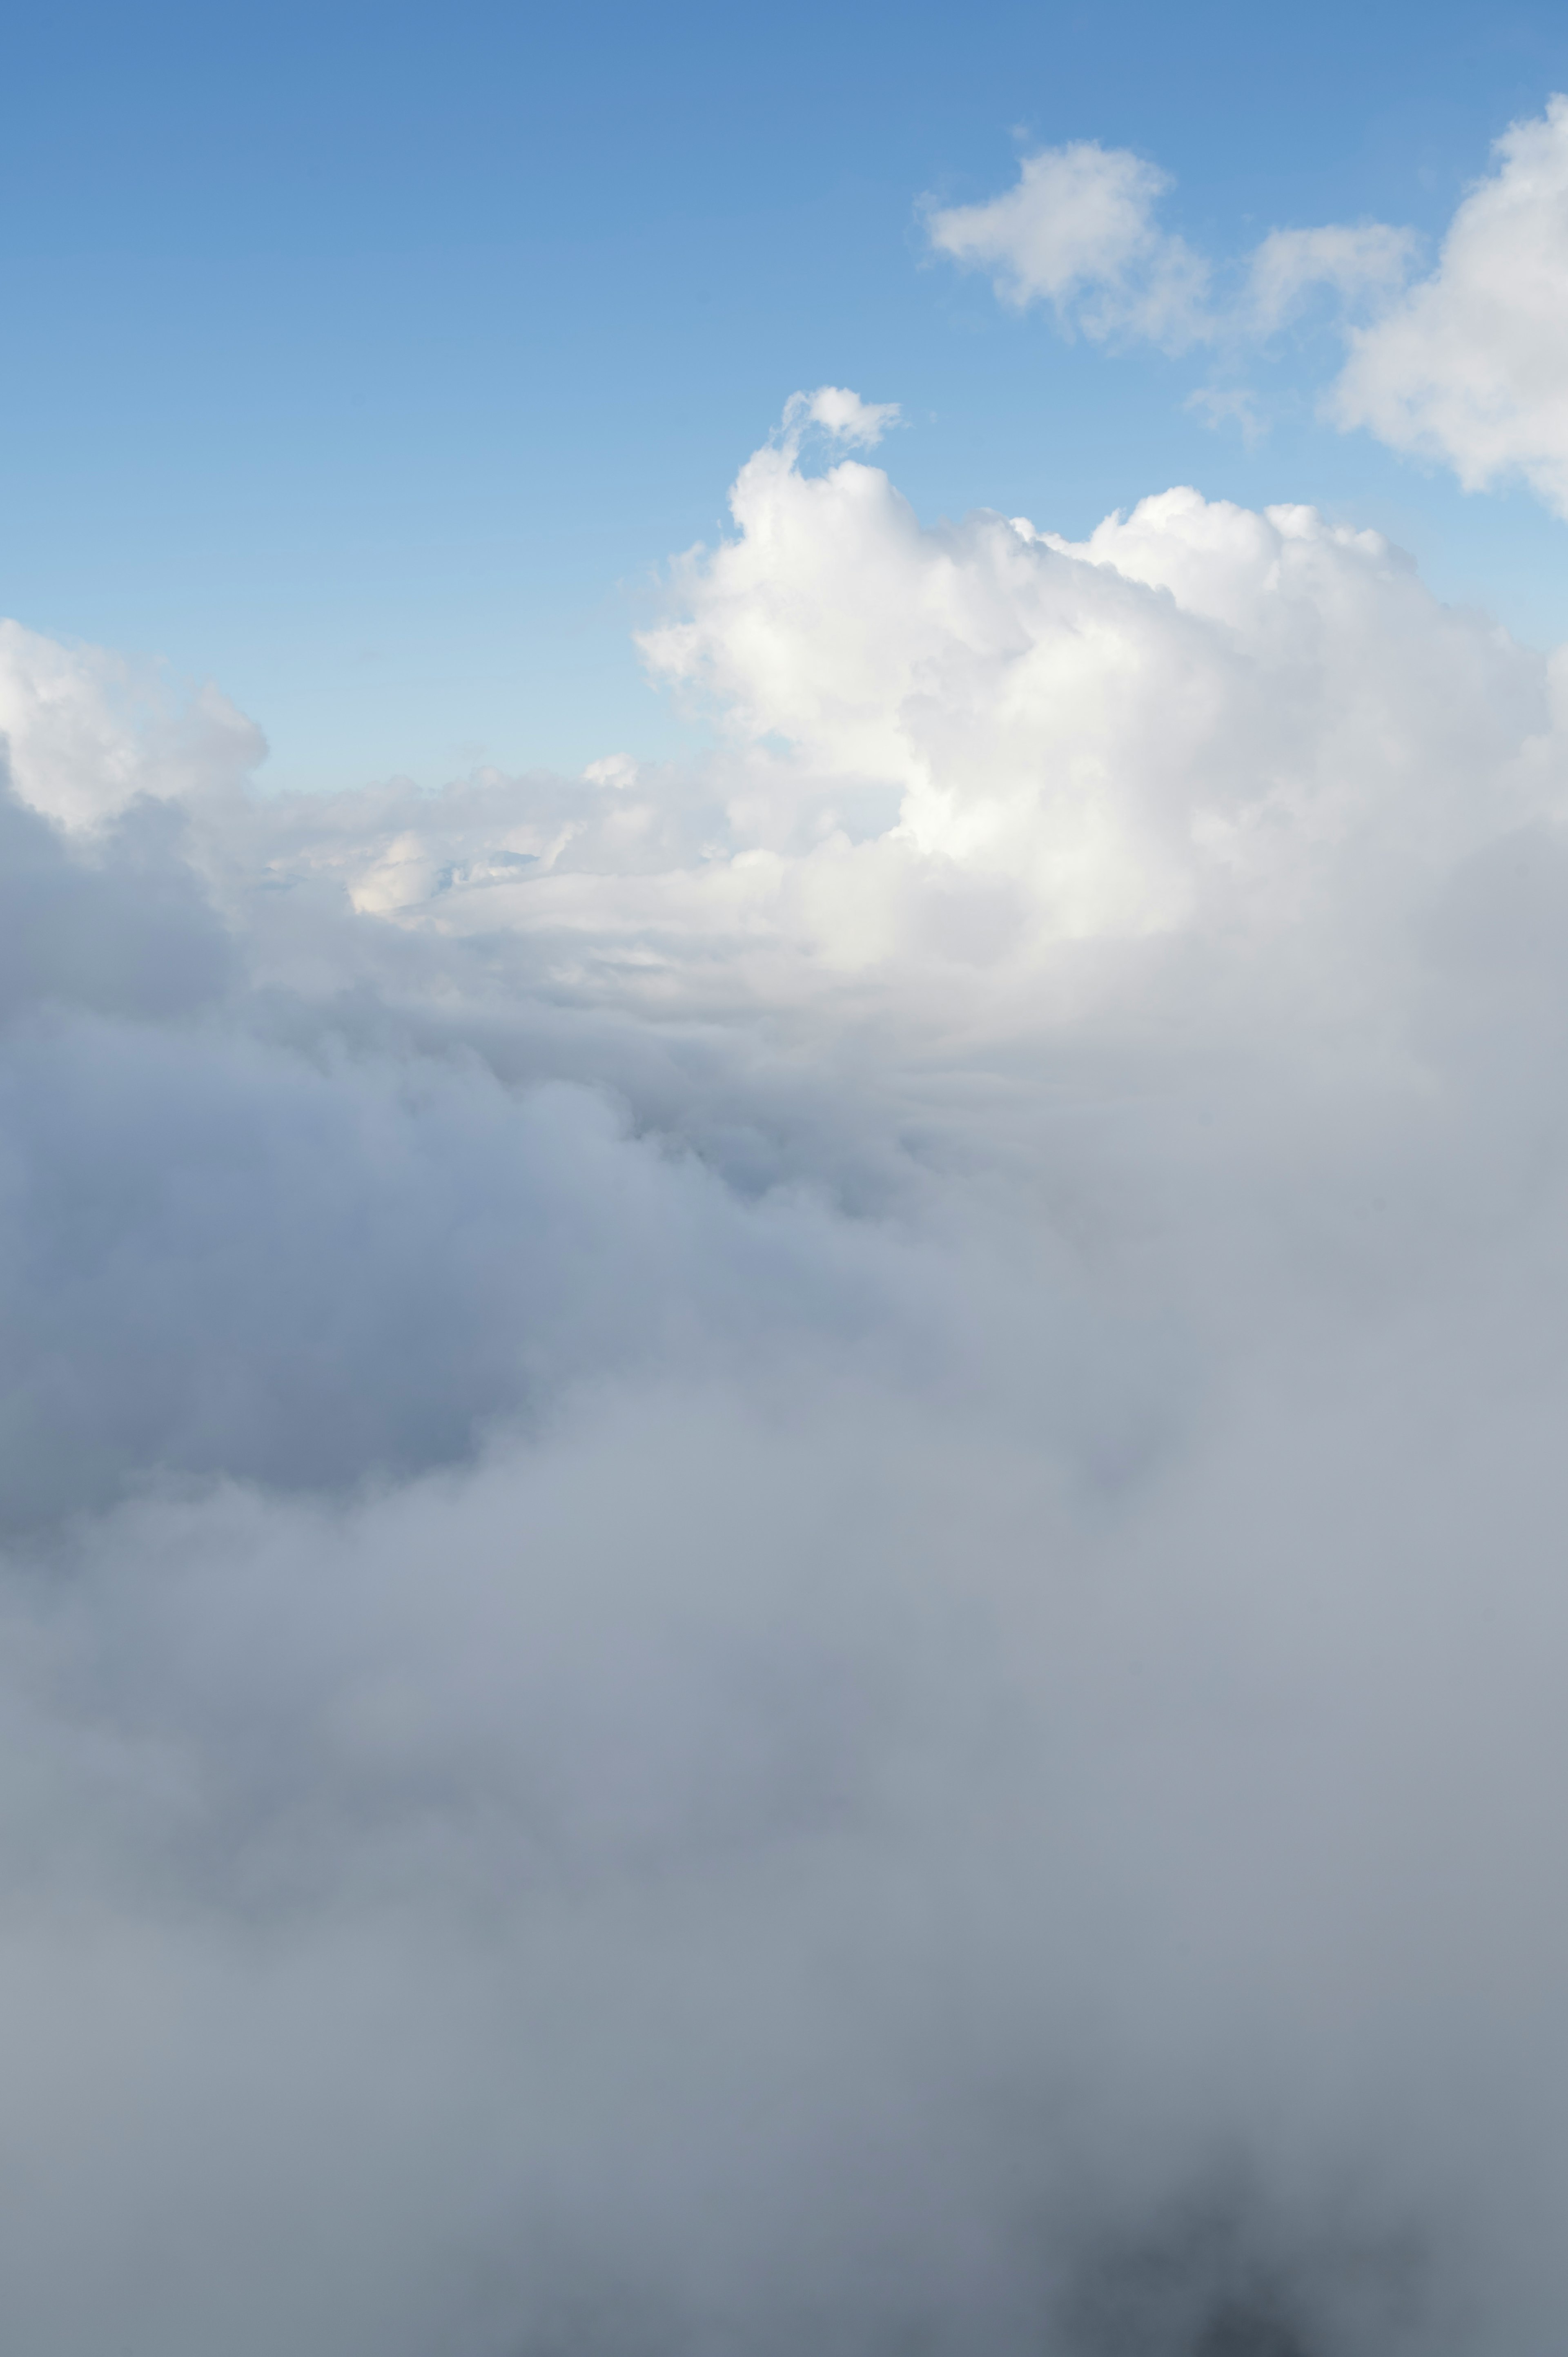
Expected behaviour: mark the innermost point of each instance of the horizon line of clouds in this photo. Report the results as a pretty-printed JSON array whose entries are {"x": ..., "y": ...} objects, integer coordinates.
[{"x": 1467, "y": 364}]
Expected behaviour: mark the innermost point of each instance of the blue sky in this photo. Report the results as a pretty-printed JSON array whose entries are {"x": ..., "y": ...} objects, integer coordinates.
[{"x": 372, "y": 361}]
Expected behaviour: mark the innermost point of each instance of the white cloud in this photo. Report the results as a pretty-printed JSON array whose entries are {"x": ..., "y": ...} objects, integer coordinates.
[
  {"x": 1469, "y": 366},
  {"x": 749, "y": 1507},
  {"x": 1472, "y": 365},
  {"x": 1044, "y": 715},
  {"x": 841, "y": 415},
  {"x": 1078, "y": 231},
  {"x": 1362, "y": 264},
  {"x": 86, "y": 733}
]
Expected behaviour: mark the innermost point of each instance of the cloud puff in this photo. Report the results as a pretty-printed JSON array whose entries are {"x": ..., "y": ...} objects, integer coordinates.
[
  {"x": 1078, "y": 231},
  {"x": 1092, "y": 738},
  {"x": 1472, "y": 366},
  {"x": 841, "y": 415},
  {"x": 781, "y": 1538}
]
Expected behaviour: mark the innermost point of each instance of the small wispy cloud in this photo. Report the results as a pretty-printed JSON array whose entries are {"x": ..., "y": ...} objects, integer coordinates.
[
  {"x": 840, "y": 414},
  {"x": 1078, "y": 231},
  {"x": 1230, "y": 405},
  {"x": 1363, "y": 263}
]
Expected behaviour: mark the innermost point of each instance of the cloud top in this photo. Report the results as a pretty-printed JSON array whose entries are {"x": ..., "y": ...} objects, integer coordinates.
[{"x": 841, "y": 415}]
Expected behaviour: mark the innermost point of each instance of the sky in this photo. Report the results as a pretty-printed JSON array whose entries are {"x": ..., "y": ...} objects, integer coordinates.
[
  {"x": 373, "y": 363},
  {"x": 784, "y": 1186}
]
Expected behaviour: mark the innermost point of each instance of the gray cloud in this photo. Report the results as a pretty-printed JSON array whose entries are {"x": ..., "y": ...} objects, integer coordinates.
[{"x": 782, "y": 1541}]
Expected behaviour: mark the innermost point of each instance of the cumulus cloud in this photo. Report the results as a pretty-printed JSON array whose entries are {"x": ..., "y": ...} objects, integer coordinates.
[
  {"x": 781, "y": 1537},
  {"x": 1092, "y": 737},
  {"x": 1468, "y": 365},
  {"x": 1472, "y": 366},
  {"x": 1078, "y": 231},
  {"x": 840, "y": 414}
]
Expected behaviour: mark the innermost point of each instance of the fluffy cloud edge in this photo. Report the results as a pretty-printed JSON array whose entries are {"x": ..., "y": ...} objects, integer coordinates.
[{"x": 1471, "y": 366}]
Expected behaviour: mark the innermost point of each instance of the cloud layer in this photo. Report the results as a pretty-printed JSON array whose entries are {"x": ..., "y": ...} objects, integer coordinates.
[{"x": 781, "y": 1547}]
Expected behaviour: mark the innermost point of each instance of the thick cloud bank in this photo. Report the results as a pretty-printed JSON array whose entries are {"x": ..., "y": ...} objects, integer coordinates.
[{"x": 782, "y": 1553}]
